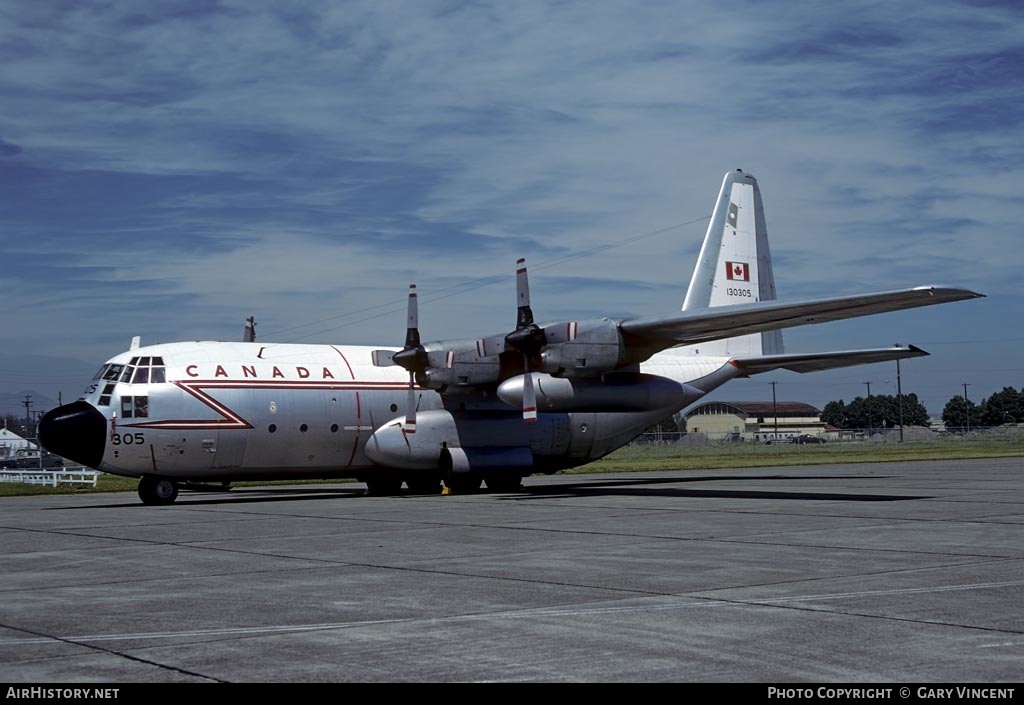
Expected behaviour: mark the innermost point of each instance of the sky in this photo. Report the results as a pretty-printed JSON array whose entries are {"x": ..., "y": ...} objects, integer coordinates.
[{"x": 169, "y": 168}]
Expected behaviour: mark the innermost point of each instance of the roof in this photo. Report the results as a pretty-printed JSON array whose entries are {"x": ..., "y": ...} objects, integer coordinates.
[{"x": 759, "y": 408}]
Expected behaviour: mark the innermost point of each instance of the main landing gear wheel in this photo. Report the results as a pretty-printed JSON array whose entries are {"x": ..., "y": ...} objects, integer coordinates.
[
  {"x": 157, "y": 490},
  {"x": 463, "y": 482},
  {"x": 383, "y": 487},
  {"x": 424, "y": 485},
  {"x": 505, "y": 482}
]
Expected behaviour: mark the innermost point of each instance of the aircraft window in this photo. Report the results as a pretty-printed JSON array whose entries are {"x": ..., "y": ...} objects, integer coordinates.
[
  {"x": 141, "y": 375},
  {"x": 113, "y": 372},
  {"x": 126, "y": 407},
  {"x": 144, "y": 362},
  {"x": 157, "y": 375},
  {"x": 105, "y": 400},
  {"x": 141, "y": 407},
  {"x": 158, "y": 361},
  {"x": 334, "y": 428},
  {"x": 99, "y": 372},
  {"x": 303, "y": 428},
  {"x": 127, "y": 376},
  {"x": 134, "y": 361},
  {"x": 272, "y": 427}
]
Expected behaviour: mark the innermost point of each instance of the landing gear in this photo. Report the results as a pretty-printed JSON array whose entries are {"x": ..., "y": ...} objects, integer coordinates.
[
  {"x": 157, "y": 490},
  {"x": 424, "y": 485},
  {"x": 505, "y": 482},
  {"x": 383, "y": 486},
  {"x": 463, "y": 482}
]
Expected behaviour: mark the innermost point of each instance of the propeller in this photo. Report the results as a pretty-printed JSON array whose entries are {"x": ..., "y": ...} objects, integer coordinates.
[
  {"x": 412, "y": 358},
  {"x": 528, "y": 338}
]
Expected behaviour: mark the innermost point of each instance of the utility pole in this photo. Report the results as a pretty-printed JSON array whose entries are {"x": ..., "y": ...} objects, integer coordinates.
[
  {"x": 868, "y": 406},
  {"x": 899, "y": 394},
  {"x": 967, "y": 408},
  {"x": 28, "y": 414},
  {"x": 775, "y": 413}
]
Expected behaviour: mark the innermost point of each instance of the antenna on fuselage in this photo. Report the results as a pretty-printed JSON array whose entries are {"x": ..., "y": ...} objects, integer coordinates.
[{"x": 250, "y": 330}]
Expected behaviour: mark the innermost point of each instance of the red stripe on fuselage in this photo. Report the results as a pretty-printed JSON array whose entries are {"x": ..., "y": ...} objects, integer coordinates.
[{"x": 233, "y": 420}]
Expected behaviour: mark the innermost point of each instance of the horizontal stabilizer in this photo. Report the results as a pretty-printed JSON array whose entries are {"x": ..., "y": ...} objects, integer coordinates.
[
  {"x": 658, "y": 333},
  {"x": 815, "y": 362}
]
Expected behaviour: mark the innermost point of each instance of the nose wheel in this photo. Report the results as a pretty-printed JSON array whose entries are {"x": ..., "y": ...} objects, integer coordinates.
[{"x": 157, "y": 490}]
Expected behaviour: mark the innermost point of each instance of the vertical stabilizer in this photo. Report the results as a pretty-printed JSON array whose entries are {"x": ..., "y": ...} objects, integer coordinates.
[{"x": 735, "y": 265}]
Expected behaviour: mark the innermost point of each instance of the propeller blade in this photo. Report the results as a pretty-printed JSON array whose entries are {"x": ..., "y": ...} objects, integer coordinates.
[
  {"x": 412, "y": 334},
  {"x": 524, "y": 314},
  {"x": 410, "y": 408},
  {"x": 529, "y": 395}
]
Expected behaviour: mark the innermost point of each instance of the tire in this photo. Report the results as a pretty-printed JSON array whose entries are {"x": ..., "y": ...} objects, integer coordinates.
[
  {"x": 424, "y": 485},
  {"x": 505, "y": 482},
  {"x": 463, "y": 482},
  {"x": 383, "y": 486},
  {"x": 157, "y": 491}
]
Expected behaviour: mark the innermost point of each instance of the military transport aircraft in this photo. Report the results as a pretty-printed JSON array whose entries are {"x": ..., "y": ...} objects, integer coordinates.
[{"x": 536, "y": 399}]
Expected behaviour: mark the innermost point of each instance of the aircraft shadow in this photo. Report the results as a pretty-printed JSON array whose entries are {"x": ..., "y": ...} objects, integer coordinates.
[
  {"x": 243, "y": 495},
  {"x": 643, "y": 488}
]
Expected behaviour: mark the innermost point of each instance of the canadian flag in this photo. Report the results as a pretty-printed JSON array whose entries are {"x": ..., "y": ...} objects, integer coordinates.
[{"x": 737, "y": 270}]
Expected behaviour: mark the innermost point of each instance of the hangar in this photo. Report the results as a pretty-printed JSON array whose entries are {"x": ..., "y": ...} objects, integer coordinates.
[{"x": 755, "y": 420}]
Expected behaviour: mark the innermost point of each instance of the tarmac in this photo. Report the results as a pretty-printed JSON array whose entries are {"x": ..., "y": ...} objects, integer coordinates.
[{"x": 886, "y": 573}]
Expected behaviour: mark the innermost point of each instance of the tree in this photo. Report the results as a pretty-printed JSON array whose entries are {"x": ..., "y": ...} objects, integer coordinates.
[
  {"x": 834, "y": 414},
  {"x": 1002, "y": 407},
  {"x": 882, "y": 411},
  {"x": 960, "y": 412}
]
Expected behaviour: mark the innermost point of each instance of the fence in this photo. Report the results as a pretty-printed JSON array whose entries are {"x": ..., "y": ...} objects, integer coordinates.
[
  {"x": 847, "y": 442},
  {"x": 52, "y": 478}
]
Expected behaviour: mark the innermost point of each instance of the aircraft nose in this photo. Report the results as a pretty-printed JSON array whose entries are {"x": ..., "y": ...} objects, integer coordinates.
[{"x": 75, "y": 431}]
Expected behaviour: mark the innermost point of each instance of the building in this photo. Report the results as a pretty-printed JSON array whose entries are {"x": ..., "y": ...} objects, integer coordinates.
[
  {"x": 754, "y": 420},
  {"x": 11, "y": 443}
]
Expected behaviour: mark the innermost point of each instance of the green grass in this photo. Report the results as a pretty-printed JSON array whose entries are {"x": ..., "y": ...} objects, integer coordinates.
[
  {"x": 637, "y": 458},
  {"x": 651, "y": 458}
]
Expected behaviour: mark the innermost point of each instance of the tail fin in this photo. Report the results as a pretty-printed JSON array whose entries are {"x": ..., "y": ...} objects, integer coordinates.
[{"x": 735, "y": 265}]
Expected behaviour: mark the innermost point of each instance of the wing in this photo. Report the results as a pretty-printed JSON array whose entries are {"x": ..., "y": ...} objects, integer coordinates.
[
  {"x": 652, "y": 334},
  {"x": 815, "y": 362}
]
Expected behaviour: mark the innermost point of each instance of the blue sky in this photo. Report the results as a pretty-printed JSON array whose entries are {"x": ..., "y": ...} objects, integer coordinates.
[{"x": 169, "y": 168}]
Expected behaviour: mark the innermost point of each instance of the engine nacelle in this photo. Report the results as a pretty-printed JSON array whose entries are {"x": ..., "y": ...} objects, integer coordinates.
[
  {"x": 622, "y": 391},
  {"x": 460, "y": 364},
  {"x": 582, "y": 349}
]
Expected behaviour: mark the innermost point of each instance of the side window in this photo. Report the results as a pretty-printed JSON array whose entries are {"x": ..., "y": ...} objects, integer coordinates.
[
  {"x": 156, "y": 375},
  {"x": 134, "y": 407}
]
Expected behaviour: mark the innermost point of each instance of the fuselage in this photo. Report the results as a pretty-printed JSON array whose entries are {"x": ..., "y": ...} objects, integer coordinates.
[{"x": 206, "y": 411}]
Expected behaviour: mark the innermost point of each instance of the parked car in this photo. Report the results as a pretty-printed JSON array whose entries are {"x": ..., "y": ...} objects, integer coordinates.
[{"x": 807, "y": 438}]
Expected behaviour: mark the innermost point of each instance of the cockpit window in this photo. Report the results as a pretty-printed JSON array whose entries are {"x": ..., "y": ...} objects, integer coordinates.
[
  {"x": 99, "y": 372},
  {"x": 156, "y": 374},
  {"x": 105, "y": 395},
  {"x": 113, "y": 372},
  {"x": 150, "y": 370},
  {"x": 127, "y": 376},
  {"x": 141, "y": 375}
]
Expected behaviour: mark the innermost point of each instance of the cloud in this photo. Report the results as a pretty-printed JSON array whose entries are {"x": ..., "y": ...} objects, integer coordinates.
[
  {"x": 9, "y": 150},
  {"x": 171, "y": 170}
]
